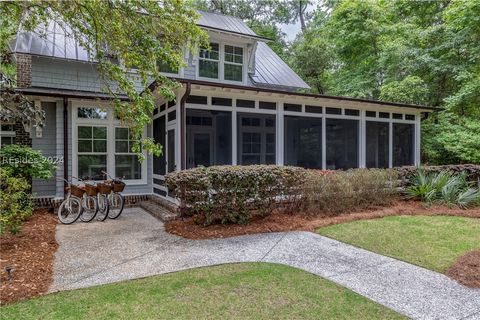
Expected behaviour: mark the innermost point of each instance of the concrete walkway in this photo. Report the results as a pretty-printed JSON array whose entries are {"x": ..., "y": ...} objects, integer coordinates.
[{"x": 136, "y": 245}]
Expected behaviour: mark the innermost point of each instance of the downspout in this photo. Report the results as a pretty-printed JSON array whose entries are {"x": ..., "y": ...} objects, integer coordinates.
[
  {"x": 182, "y": 125},
  {"x": 65, "y": 143}
]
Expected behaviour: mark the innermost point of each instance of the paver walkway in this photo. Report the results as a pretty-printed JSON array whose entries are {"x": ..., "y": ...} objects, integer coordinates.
[{"x": 136, "y": 245}]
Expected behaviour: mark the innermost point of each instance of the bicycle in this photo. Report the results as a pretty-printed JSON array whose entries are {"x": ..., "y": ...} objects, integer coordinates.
[
  {"x": 89, "y": 201},
  {"x": 115, "y": 198},
  {"x": 71, "y": 208}
]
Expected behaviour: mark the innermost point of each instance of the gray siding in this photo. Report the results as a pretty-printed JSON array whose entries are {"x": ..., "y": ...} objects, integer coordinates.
[
  {"x": 67, "y": 74},
  {"x": 190, "y": 72},
  {"x": 47, "y": 144}
]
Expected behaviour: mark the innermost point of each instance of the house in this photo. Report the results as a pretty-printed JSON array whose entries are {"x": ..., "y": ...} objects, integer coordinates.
[{"x": 238, "y": 104}]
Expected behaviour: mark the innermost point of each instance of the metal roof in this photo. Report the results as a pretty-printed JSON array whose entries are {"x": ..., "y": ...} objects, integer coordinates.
[
  {"x": 223, "y": 22},
  {"x": 50, "y": 41},
  {"x": 270, "y": 70}
]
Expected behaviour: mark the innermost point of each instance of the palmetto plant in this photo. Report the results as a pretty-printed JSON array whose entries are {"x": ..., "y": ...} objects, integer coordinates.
[{"x": 443, "y": 187}]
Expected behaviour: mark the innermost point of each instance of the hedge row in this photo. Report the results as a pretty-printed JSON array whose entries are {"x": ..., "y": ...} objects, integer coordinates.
[{"x": 231, "y": 194}]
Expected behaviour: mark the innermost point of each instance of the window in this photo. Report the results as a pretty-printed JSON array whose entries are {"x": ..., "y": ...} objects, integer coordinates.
[
  {"x": 333, "y": 110},
  {"x": 233, "y": 67},
  {"x": 377, "y": 153},
  {"x": 92, "y": 152},
  {"x": 256, "y": 139},
  {"x": 267, "y": 105},
  {"x": 216, "y": 101},
  {"x": 127, "y": 165},
  {"x": 7, "y": 134},
  {"x": 342, "y": 143},
  {"x": 209, "y": 61},
  {"x": 313, "y": 109},
  {"x": 292, "y": 107},
  {"x": 303, "y": 142},
  {"x": 101, "y": 143},
  {"x": 91, "y": 113},
  {"x": 352, "y": 112}
]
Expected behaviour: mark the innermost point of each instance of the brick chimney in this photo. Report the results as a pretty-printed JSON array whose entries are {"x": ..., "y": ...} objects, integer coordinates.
[{"x": 24, "y": 70}]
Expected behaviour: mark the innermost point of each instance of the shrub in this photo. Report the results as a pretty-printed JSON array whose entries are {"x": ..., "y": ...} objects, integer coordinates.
[
  {"x": 24, "y": 162},
  {"x": 443, "y": 187},
  {"x": 15, "y": 202},
  {"x": 346, "y": 191},
  {"x": 229, "y": 194},
  {"x": 407, "y": 174}
]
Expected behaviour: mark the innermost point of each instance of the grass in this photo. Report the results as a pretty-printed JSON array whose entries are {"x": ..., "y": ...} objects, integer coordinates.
[
  {"x": 433, "y": 242},
  {"x": 247, "y": 290}
]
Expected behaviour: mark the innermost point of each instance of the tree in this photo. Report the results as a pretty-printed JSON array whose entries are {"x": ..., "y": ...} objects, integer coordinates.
[
  {"x": 420, "y": 52},
  {"x": 137, "y": 33}
]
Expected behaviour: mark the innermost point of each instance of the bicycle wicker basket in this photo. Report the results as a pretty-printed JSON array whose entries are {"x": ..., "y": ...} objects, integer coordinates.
[
  {"x": 104, "y": 188},
  {"x": 77, "y": 191},
  {"x": 118, "y": 186},
  {"x": 91, "y": 190}
]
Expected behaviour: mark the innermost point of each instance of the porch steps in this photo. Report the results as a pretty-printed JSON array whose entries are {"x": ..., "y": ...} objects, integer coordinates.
[{"x": 159, "y": 210}]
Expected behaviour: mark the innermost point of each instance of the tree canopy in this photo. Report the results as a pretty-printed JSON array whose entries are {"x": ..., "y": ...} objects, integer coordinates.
[
  {"x": 419, "y": 52},
  {"x": 119, "y": 36}
]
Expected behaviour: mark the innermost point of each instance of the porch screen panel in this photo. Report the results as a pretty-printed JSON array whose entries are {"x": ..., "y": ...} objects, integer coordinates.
[
  {"x": 92, "y": 151},
  {"x": 342, "y": 143},
  {"x": 377, "y": 144},
  {"x": 159, "y": 137},
  {"x": 209, "y": 138},
  {"x": 403, "y": 144},
  {"x": 303, "y": 142},
  {"x": 256, "y": 139}
]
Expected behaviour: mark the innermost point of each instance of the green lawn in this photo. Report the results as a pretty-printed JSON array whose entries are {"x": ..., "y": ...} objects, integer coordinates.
[
  {"x": 433, "y": 242},
  {"x": 249, "y": 290}
]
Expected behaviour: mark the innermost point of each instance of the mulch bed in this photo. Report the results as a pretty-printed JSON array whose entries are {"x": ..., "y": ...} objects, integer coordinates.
[
  {"x": 31, "y": 254},
  {"x": 279, "y": 221},
  {"x": 466, "y": 269}
]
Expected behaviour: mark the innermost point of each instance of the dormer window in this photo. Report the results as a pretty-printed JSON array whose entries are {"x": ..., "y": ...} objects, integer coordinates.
[
  {"x": 233, "y": 63},
  {"x": 222, "y": 62},
  {"x": 209, "y": 61}
]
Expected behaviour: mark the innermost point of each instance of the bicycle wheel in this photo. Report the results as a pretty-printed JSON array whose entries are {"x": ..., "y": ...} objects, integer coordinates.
[
  {"x": 103, "y": 207},
  {"x": 70, "y": 210},
  {"x": 90, "y": 208},
  {"x": 116, "y": 205}
]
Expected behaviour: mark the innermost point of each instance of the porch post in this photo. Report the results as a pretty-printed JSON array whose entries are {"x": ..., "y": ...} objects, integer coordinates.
[
  {"x": 390, "y": 144},
  {"x": 234, "y": 136},
  {"x": 418, "y": 140},
  {"x": 280, "y": 134},
  {"x": 362, "y": 163}
]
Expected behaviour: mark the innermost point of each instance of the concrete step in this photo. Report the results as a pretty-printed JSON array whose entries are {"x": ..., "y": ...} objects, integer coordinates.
[{"x": 158, "y": 211}]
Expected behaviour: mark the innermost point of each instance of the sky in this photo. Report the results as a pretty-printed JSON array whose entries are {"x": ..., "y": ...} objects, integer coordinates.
[{"x": 291, "y": 30}]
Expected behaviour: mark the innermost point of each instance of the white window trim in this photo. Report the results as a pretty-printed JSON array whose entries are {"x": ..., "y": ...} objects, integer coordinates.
[
  {"x": 110, "y": 123},
  {"x": 221, "y": 63}
]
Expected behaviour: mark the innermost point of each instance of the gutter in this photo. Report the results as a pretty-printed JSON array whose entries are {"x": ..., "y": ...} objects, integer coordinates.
[
  {"x": 153, "y": 85},
  {"x": 182, "y": 126}
]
